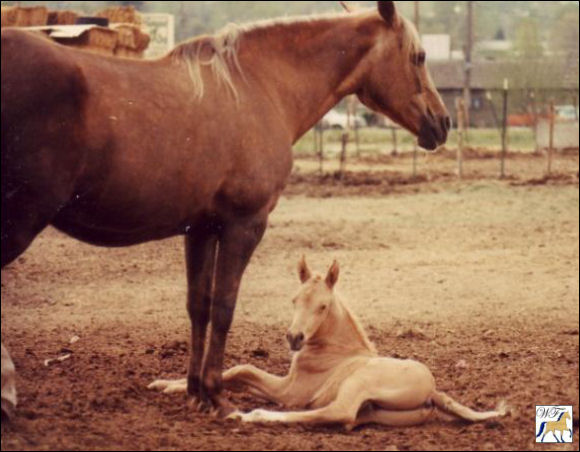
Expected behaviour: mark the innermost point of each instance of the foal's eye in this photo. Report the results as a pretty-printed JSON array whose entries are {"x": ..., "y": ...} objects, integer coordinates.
[{"x": 322, "y": 308}]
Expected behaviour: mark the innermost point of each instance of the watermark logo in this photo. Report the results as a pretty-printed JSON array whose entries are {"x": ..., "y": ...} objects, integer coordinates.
[{"x": 554, "y": 424}]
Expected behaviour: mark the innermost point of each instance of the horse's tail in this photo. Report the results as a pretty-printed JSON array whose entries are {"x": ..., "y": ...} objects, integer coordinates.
[
  {"x": 542, "y": 428},
  {"x": 450, "y": 406}
]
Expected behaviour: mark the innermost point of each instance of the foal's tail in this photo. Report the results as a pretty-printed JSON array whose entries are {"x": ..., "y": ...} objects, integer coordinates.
[{"x": 450, "y": 406}]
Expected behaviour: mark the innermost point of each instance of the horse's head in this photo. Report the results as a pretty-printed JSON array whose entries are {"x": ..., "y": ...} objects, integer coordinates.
[
  {"x": 396, "y": 81},
  {"x": 312, "y": 305}
]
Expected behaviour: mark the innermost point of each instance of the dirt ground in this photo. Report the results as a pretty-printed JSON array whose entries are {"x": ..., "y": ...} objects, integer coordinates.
[{"x": 477, "y": 278}]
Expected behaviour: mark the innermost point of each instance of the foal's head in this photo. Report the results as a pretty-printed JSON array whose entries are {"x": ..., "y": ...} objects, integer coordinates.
[
  {"x": 312, "y": 305},
  {"x": 397, "y": 82}
]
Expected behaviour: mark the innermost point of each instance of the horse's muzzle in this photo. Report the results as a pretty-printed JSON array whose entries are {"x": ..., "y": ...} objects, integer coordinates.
[
  {"x": 433, "y": 131},
  {"x": 296, "y": 341}
]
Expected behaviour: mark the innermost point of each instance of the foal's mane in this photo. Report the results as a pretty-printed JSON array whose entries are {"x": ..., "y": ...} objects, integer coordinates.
[
  {"x": 224, "y": 47},
  {"x": 358, "y": 328}
]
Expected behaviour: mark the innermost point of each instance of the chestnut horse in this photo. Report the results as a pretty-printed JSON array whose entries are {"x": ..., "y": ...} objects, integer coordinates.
[{"x": 116, "y": 152}]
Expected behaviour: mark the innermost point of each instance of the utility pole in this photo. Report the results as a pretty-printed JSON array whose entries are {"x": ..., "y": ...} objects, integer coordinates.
[
  {"x": 417, "y": 16},
  {"x": 417, "y": 21},
  {"x": 468, "y": 64}
]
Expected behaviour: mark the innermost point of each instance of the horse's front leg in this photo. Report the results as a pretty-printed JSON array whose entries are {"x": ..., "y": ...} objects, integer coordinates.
[
  {"x": 237, "y": 242},
  {"x": 200, "y": 254},
  {"x": 260, "y": 383},
  {"x": 8, "y": 385}
]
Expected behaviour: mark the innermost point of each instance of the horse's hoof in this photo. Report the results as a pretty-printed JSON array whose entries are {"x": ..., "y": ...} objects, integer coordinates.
[
  {"x": 7, "y": 411},
  {"x": 225, "y": 409}
]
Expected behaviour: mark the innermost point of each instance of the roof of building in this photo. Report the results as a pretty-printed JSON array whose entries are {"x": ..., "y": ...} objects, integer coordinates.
[{"x": 552, "y": 73}]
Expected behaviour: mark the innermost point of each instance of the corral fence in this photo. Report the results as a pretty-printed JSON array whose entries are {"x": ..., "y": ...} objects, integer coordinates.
[{"x": 545, "y": 126}]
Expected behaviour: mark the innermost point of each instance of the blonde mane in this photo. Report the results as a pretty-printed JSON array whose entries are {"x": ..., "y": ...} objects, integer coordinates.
[
  {"x": 224, "y": 46},
  {"x": 358, "y": 328}
]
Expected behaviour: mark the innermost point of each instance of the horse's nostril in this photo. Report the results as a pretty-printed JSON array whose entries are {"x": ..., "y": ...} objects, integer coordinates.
[{"x": 300, "y": 337}]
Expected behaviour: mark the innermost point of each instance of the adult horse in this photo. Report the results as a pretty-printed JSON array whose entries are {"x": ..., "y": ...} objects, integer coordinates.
[{"x": 198, "y": 143}]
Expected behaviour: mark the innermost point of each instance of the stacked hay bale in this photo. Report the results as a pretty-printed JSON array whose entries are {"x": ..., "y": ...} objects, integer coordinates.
[
  {"x": 29, "y": 16},
  {"x": 131, "y": 42},
  {"x": 126, "y": 20},
  {"x": 65, "y": 17},
  {"x": 122, "y": 38},
  {"x": 121, "y": 15}
]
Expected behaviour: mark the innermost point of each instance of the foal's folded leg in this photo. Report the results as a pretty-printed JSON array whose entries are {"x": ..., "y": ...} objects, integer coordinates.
[
  {"x": 258, "y": 382},
  {"x": 395, "y": 418},
  {"x": 169, "y": 386},
  {"x": 343, "y": 410}
]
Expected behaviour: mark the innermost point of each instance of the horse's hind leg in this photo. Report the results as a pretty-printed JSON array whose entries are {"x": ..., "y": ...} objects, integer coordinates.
[
  {"x": 9, "y": 398},
  {"x": 29, "y": 204}
]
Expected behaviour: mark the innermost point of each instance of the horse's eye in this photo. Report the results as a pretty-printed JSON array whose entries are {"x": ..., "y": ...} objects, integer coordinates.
[
  {"x": 323, "y": 308},
  {"x": 421, "y": 58}
]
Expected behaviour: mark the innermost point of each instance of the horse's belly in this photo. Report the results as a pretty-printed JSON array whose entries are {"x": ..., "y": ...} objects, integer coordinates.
[{"x": 118, "y": 225}]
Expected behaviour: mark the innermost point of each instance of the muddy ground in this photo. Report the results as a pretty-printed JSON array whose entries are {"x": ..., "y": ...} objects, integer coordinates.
[{"x": 479, "y": 272}]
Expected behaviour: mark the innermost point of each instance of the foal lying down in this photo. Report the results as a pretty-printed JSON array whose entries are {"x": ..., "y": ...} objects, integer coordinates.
[{"x": 336, "y": 375}]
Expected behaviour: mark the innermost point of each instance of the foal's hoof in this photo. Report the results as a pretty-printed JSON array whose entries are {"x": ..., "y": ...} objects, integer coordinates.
[{"x": 168, "y": 386}]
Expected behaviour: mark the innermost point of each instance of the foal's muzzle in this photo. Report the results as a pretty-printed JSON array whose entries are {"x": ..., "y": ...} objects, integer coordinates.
[{"x": 296, "y": 341}]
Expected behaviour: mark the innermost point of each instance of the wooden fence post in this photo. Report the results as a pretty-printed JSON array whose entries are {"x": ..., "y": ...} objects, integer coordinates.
[
  {"x": 460, "y": 109},
  {"x": 504, "y": 128},
  {"x": 319, "y": 139},
  {"x": 344, "y": 143},
  {"x": 534, "y": 113},
  {"x": 394, "y": 151},
  {"x": 415, "y": 155},
  {"x": 551, "y": 137}
]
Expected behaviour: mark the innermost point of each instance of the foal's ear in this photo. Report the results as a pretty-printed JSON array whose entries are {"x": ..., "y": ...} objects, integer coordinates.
[
  {"x": 303, "y": 271},
  {"x": 388, "y": 12},
  {"x": 332, "y": 276}
]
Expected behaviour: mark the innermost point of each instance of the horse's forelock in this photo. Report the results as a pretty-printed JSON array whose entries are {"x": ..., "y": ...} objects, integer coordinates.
[{"x": 410, "y": 39}]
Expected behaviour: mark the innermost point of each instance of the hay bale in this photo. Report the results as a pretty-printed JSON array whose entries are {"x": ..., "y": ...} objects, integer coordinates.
[
  {"x": 121, "y": 14},
  {"x": 65, "y": 17},
  {"x": 125, "y": 52},
  {"x": 9, "y": 15},
  {"x": 24, "y": 16},
  {"x": 98, "y": 40},
  {"x": 132, "y": 38}
]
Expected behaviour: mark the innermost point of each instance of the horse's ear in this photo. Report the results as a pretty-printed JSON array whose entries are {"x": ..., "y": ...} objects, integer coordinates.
[
  {"x": 332, "y": 276},
  {"x": 388, "y": 12},
  {"x": 303, "y": 271}
]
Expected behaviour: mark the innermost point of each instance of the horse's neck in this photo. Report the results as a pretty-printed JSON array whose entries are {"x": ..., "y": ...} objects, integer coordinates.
[
  {"x": 341, "y": 334},
  {"x": 306, "y": 67}
]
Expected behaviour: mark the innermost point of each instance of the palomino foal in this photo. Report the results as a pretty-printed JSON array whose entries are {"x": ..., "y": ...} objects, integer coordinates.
[{"x": 336, "y": 374}]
